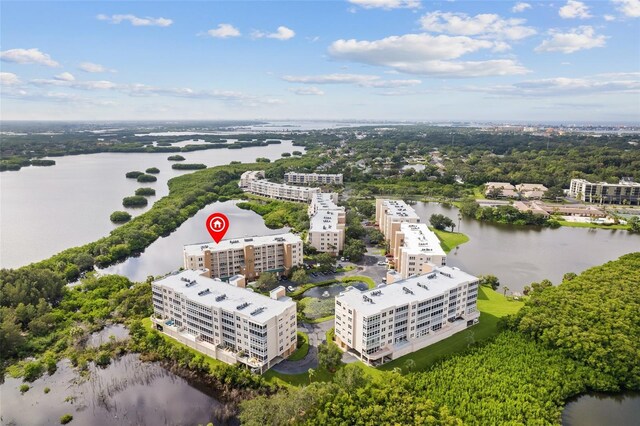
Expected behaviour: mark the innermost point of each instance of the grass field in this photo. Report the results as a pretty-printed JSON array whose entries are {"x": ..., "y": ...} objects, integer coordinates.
[
  {"x": 303, "y": 350},
  {"x": 450, "y": 240},
  {"x": 492, "y": 306},
  {"x": 368, "y": 281},
  {"x": 590, "y": 225}
]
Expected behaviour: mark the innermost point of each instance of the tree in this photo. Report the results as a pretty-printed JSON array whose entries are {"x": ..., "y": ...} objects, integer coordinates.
[
  {"x": 375, "y": 236},
  {"x": 299, "y": 276},
  {"x": 354, "y": 250},
  {"x": 326, "y": 261},
  {"x": 490, "y": 281},
  {"x": 409, "y": 365},
  {"x": 120, "y": 216},
  {"x": 329, "y": 356},
  {"x": 267, "y": 281},
  {"x": 312, "y": 373},
  {"x": 634, "y": 224},
  {"x": 441, "y": 222}
]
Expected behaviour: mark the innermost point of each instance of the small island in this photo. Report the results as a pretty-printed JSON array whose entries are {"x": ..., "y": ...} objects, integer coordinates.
[
  {"x": 147, "y": 178},
  {"x": 120, "y": 217},
  {"x": 134, "y": 174},
  {"x": 153, "y": 170},
  {"x": 145, "y": 191},
  {"x": 176, "y": 158},
  {"x": 189, "y": 166},
  {"x": 134, "y": 201},
  {"x": 44, "y": 163}
]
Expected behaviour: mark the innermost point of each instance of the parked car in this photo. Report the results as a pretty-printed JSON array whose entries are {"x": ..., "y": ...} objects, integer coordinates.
[
  {"x": 382, "y": 263},
  {"x": 342, "y": 259},
  {"x": 291, "y": 288},
  {"x": 314, "y": 274}
]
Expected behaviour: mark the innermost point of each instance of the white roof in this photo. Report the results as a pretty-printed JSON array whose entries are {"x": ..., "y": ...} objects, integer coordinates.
[
  {"x": 313, "y": 174},
  {"x": 418, "y": 239},
  {"x": 324, "y": 220},
  {"x": 234, "y": 296},
  {"x": 324, "y": 201},
  {"x": 239, "y": 243},
  {"x": 443, "y": 279},
  {"x": 399, "y": 208},
  {"x": 269, "y": 184}
]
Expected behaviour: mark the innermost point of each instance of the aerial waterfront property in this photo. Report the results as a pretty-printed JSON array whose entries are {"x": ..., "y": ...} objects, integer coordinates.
[
  {"x": 625, "y": 191},
  {"x": 248, "y": 256},
  {"x": 327, "y": 223},
  {"x": 229, "y": 323},
  {"x": 390, "y": 214},
  {"x": 396, "y": 319},
  {"x": 416, "y": 250},
  {"x": 253, "y": 182},
  {"x": 311, "y": 178}
]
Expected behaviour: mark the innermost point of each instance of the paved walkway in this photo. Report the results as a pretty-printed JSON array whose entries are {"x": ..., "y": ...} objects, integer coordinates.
[{"x": 317, "y": 335}]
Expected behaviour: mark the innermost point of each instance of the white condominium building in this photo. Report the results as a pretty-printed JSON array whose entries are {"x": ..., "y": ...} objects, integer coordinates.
[
  {"x": 229, "y": 323},
  {"x": 327, "y": 223},
  {"x": 602, "y": 192},
  {"x": 417, "y": 249},
  {"x": 248, "y": 256},
  {"x": 396, "y": 319},
  {"x": 249, "y": 176},
  {"x": 390, "y": 214},
  {"x": 307, "y": 178},
  {"x": 254, "y": 182}
]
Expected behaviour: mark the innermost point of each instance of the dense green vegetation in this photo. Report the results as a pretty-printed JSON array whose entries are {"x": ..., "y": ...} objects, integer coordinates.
[
  {"x": 16, "y": 163},
  {"x": 188, "y": 166},
  {"x": 152, "y": 170},
  {"x": 120, "y": 217},
  {"x": 134, "y": 201},
  {"x": 46, "y": 163},
  {"x": 143, "y": 178},
  {"x": 278, "y": 214},
  {"x": 176, "y": 158},
  {"x": 134, "y": 174},
  {"x": 145, "y": 191}
]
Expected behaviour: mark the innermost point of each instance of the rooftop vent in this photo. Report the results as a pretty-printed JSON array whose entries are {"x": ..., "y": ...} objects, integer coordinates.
[
  {"x": 203, "y": 292},
  {"x": 191, "y": 283},
  {"x": 258, "y": 311},
  {"x": 242, "y": 306},
  {"x": 221, "y": 297},
  {"x": 376, "y": 293},
  {"x": 406, "y": 290},
  {"x": 366, "y": 298},
  {"x": 426, "y": 287}
]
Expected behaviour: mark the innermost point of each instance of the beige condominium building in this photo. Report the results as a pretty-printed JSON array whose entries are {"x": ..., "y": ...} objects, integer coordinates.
[
  {"x": 254, "y": 183},
  {"x": 626, "y": 191},
  {"x": 390, "y": 214},
  {"x": 396, "y": 319},
  {"x": 248, "y": 256},
  {"x": 229, "y": 323},
  {"x": 327, "y": 223},
  {"x": 417, "y": 249},
  {"x": 309, "y": 178}
]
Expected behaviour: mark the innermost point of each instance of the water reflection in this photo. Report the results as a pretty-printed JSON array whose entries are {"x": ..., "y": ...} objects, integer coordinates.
[
  {"x": 602, "y": 409},
  {"x": 332, "y": 290}
]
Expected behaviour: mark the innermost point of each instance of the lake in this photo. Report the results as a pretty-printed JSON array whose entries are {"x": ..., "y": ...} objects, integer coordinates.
[
  {"x": 45, "y": 210},
  {"x": 603, "y": 410},
  {"x": 519, "y": 256},
  {"x": 126, "y": 392}
]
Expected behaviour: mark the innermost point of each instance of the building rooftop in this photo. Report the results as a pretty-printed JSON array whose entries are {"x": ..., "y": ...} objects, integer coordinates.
[
  {"x": 324, "y": 220},
  {"x": 399, "y": 208},
  {"x": 215, "y": 293},
  {"x": 311, "y": 174},
  {"x": 503, "y": 185},
  {"x": 324, "y": 201},
  {"x": 418, "y": 238},
  {"x": 266, "y": 183},
  {"x": 239, "y": 243},
  {"x": 402, "y": 292}
]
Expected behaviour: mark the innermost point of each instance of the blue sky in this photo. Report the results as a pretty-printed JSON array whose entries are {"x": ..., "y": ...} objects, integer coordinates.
[{"x": 364, "y": 59}]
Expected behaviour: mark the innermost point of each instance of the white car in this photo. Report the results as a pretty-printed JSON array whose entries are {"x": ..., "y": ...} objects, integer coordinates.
[
  {"x": 382, "y": 263},
  {"x": 291, "y": 289}
]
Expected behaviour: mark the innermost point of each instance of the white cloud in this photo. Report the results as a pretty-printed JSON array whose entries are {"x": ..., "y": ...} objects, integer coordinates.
[
  {"x": 224, "y": 31},
  {"x": 65, "y": 76},
  {"x": 387, "y": 4},
  {"x": 520, "y": 7},
  {"x": 426, "y": 55},
  {"x": 576, "y": 39},
  {"x": 9, "y": 79},
  {"x": 93, "y": 68},
  {"x": 136, "y": 21},
  {"x": 362, "y": 80},
  {"x": 574, "y": 9},
  {"x": 308, "y": 91},
  {"x": 282, "y": 33},
  {"x": 630, "y": 8},
  {"x": 28, "y": 56},
  {"x": 486, "y": 24},
  {"x": 72, "y": 83},
  {"x": 609, "y": 18}
]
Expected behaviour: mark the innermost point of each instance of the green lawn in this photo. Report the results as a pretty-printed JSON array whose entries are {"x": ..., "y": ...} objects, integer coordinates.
[
  {"x": 478, "y": 193},
  {"x": 368, "y": 281},
  {"x": 450, "y": 240},
  {"x": 492, "y": 306},
  {"x": 591, "y": 225},
  {"x": 303, "y": 350}
]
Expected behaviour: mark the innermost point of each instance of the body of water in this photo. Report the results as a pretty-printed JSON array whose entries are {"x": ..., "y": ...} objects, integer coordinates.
[
  {"x": 44, "y": 210},
  {"x": 519, "y": 256},
  {"x": 603, "y": 410},
  {"x": 127, "y": 392},
  {"x": 330, "y": 291}
]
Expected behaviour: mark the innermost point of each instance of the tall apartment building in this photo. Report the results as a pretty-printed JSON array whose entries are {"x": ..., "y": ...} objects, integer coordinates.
[
  {"x": 602, "y": 192},
  {"x": 327, "y": 223},
  {"x": 308, "y": 178},
  {"x": 248, "y": 256},
  {"x": 229, "y": 323},
  {"x": 390, "y": 214},
  {"x": 254, "y": 182},
  {"x": 417, "y": 249},
  {"x": 396, "y": 319}
]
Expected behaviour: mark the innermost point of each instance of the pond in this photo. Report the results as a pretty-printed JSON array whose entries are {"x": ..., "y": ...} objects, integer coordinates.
[
  {"x": 127, "y": 392},
  {"x": 333, "y": 290},
  {"x": 118, "y": 331},
  {"x": 520, "y": 255},
  {"x": 603, "y": 409}
]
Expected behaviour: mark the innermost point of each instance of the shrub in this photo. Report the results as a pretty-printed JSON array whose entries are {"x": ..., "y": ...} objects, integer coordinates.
[
  {"x": 24, "y": 388},
  {"x": 47, "y": 390},
  {"x": 134, "y": 174},
  {"x": 120, "y": 217},
  {"x": 65, "y": 418},
  {"x": 32, "y": 371},
  {"x": 145, "y": 191},
  {"x": 153, "y": 170},
  {"x": 135, "y": 201},
  {"x": 147, "y": 178},
  {"x": 189, "y": 166},
  {"x": 176, "y": 158}
]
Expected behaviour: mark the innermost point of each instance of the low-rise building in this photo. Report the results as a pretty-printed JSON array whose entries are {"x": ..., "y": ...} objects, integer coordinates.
[
  {"x": 531, "y": 191},
  {"x": 248, "y": 256},
  {"x": 254, "y": 183},
  {"x": 228, "y": 323},
  {"x": 310, "y": 178},
  {"x": 327, "y": 223},
  {"x": 500, "y": 189},
  {"x": 625, "y": 191},
  {"x": 578, "y": 210},
  {"x": 393, "y": 320},
  {"x": 390, "y": 214},
  {"x": 417, "y": 249}
]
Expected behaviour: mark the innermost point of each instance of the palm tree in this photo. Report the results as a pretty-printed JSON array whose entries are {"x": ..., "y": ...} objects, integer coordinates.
[
  {"x": 312, "y": 373},
  {"x": 505, "y": 289}
]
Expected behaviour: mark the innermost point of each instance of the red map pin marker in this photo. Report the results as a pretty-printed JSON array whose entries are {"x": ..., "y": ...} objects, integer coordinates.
[{"x": 217, "y": 225}]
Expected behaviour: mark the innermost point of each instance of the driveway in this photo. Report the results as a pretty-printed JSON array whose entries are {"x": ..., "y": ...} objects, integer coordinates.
[{"x": 317, "y": 335}]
